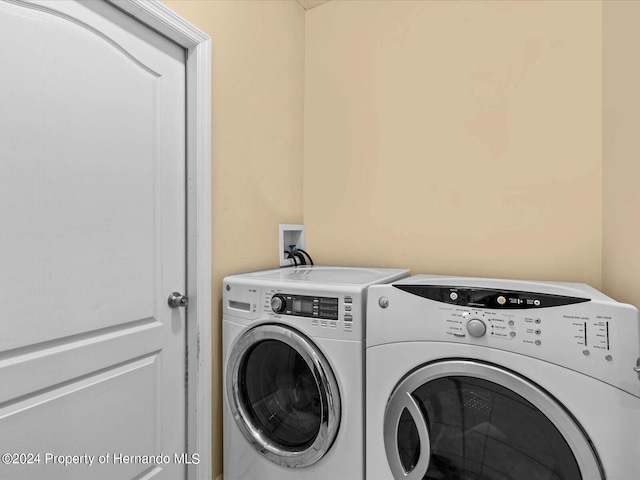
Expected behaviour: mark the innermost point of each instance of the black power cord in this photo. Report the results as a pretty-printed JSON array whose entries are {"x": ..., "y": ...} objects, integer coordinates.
[
  {"x": 298, "y": 256},
  {"x": 305, "y": 253},
  {"x": 293, "y": 257}
]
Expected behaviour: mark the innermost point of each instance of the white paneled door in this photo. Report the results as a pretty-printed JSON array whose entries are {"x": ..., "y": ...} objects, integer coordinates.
[{"x": 92, "y": 243}]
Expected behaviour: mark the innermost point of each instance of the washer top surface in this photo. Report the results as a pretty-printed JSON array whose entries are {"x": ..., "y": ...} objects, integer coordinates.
[
  {"x": 316, "y": 274},
  {"x": 534, "y": 286}
]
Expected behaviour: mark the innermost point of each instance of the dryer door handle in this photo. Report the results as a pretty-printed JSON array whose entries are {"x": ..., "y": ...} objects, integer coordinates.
[{"x": 391, "y": 423}]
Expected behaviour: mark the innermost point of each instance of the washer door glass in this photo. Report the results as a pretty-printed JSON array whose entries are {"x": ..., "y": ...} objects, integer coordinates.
[
  {"x": 283, "y": 395},
  {"x": 463, "y": 420}
]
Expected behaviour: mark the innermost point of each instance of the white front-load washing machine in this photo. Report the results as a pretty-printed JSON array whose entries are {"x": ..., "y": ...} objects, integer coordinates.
[
  {"x": 293, "y": 353},
  {"x": 480, "y": 379}
]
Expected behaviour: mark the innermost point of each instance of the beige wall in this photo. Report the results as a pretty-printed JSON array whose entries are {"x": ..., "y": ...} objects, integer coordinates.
[
  {"x": 621, "y": 164},
  {"x": 447, "y": 137},
  {"x": 455, "y": 137},
  {"x": 257, "y": 110}
]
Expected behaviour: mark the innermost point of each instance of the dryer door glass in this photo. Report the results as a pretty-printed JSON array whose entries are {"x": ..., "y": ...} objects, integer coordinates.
[
  {"x": 480, "y": 430},
  {"x": 478, "y": 425},
  {"x": 283, "y": 395}
]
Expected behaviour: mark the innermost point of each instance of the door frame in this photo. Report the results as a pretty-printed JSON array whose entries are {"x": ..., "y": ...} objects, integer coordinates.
[{"x": 197, "y": 46}]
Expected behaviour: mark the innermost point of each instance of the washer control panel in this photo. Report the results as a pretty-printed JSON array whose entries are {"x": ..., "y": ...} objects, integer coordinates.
[
  {"x": 334, "y": 314},
  {"x": 305, "y": 306}
]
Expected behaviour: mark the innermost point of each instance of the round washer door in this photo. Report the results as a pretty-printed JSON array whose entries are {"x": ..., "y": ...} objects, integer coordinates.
[
  {"x": 461, "y": 419},
  {"x": 283, "y": 395}
]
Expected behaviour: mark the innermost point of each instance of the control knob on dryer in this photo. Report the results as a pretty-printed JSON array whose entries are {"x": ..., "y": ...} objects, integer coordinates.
[
  {"x": 476, "y": 327},
  {"x": 278, "y": 303}
]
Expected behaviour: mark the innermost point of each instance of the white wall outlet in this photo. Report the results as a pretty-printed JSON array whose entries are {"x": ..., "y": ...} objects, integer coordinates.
[{"x": 290, "y": 235}]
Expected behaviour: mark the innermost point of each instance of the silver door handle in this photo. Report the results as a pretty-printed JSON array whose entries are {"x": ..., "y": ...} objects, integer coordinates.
[{"x": 177, "y": 300}]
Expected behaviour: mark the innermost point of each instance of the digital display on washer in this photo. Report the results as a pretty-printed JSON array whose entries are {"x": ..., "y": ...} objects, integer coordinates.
[
  {"x": 309, "y": 306},
  {"x": 302, "y": 305}
]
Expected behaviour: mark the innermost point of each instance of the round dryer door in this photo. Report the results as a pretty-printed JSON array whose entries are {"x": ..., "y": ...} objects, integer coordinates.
[
  {"x": 283, "y": 395},
  {"x": 467, "y": 420}
]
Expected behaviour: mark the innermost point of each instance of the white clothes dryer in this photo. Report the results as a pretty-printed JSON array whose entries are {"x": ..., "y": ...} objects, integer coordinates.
[
  {"x": 486, "y": 379},
  {"x": 293, "y": 368}
]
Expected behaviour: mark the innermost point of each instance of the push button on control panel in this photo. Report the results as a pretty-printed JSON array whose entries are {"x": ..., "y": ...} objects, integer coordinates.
[{"x": 348, "y": 314}]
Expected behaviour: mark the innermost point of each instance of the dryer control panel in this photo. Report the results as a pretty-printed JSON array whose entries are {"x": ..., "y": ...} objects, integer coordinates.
[
  {"x": 490, "y": 298},
  {"x": 593, "y": 334}
]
